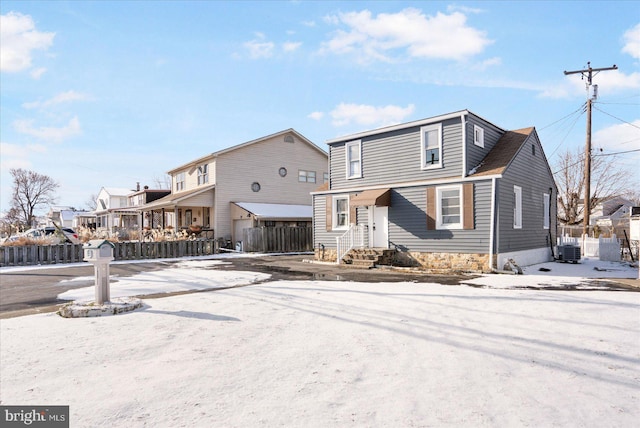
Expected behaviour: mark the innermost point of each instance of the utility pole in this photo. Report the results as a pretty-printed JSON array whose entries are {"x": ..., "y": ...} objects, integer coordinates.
[{"x": 588, "y": 73}]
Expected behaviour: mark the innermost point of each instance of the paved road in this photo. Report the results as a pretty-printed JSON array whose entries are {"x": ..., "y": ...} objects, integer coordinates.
[{"x": 35, "y": 290}]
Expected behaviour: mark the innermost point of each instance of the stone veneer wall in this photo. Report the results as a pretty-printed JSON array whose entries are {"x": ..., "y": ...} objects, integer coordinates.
[
  {"x": 445, "y": 262},
  {"x": 330, "y": 255}
]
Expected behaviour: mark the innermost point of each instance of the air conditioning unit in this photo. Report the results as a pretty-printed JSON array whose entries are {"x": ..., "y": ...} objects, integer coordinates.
[{"x": 569, "y": 253}]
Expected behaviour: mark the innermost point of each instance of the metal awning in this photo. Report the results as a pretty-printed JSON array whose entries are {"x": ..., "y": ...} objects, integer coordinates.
[{"x": 377, "y": 197}]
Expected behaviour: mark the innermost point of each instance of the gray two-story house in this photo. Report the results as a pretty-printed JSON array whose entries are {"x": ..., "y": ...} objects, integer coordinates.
[{"x": 449, "y": 193}]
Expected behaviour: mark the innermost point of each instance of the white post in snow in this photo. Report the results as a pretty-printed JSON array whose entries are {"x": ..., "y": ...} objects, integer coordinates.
[{"x": 100, "y": 253}]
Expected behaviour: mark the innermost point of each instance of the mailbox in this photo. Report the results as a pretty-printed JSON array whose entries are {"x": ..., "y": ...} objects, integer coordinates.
[{"x": 98, "y": 250}]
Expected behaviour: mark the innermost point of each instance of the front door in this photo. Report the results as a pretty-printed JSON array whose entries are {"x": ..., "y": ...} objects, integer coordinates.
[{"x": 378, "y": 227}]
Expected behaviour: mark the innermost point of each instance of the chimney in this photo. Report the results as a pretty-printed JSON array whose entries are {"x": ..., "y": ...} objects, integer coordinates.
[{"x": 137, "y": 186}]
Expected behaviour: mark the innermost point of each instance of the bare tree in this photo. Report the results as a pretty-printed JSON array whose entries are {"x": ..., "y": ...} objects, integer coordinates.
[
  {"x": 608, "y": 180},
  {"x": 92, "y": 202},
  {"x": 30, "y": 192}
]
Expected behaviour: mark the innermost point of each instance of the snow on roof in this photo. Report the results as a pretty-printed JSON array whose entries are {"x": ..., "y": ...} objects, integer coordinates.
[{"x": 277, "y": 210}]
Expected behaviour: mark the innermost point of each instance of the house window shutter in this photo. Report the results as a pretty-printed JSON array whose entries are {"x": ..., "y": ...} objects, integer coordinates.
[
  {"x": 431, "y": 208},
  {"x": 328, "y": 217},
  {"x": 353, "y": 215},
  {"x": 467, "y": 197}
]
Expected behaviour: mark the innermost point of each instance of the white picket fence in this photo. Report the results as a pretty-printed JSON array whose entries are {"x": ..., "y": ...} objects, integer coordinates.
[{"x": 606, "y": 249}]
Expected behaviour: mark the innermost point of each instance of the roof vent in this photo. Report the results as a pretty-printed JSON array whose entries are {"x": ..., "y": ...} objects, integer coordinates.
[{"x": 288, "y": 139}]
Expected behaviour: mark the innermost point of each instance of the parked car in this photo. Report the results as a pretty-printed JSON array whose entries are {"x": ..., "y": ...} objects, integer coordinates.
[{"x": 56, "y": 235}]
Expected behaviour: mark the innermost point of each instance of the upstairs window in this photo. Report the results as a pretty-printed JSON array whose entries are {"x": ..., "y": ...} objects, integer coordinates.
[
  {"x": 431, "y": 141},
  {"x": 354, "y": 159},
  {"x": 179, "y": 181},
  {"x": 203, "y": 174},
  {"x": 478, "y": 136},
  {"x": 325, "y": 177},
  {"x": 306, "y": 176},
  {"x": 517, "y": 207}
]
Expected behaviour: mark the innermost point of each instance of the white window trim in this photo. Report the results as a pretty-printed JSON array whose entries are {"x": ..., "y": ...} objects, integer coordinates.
[
  {"x": 439, "y": 224},
  {"x": 480, "y": 141},
  {"x": 203, "y": 174},
  {"x": 305, "y": 176},
  {"x": 346, "y": 148},
  {"x": 546, "y": 204},
  {"x": 517, "y": 207},
  {"x": 334, "y": 213},
  {"x": 423, "y": 160}
]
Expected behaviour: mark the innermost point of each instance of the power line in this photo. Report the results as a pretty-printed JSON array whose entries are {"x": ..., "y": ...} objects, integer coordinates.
[{"x": 617, "y": 118}]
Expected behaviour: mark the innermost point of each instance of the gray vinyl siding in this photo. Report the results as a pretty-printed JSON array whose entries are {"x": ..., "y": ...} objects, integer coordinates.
[
  {"x": 476, "y": 154},
  {"x": 408, "y": 223},
  {"x": 532, "y": 174},
  {"x": 320, "y": 233},
  {"x": 394, "y": 157}
]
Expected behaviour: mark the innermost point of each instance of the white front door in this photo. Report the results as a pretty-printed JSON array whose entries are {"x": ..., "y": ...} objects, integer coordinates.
[{"x": 378, "y": 227}]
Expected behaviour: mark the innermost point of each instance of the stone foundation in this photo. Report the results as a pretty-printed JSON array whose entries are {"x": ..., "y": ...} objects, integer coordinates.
[
  {"x": 437, "y": 263},
  {"x": 326, "y": 255},
  {"x": 445, "y": 263}
]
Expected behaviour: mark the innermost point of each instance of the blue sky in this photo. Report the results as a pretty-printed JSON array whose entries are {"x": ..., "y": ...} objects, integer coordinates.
[{"x": 110, "y": 93}]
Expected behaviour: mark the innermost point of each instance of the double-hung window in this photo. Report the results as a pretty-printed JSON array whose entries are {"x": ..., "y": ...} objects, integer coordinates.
[
  {"x": 449, "y": 207},
  {"x": 431, "y": 142},
  {"x": 340, "y": 212},
  {"x": 517, "y": 207},
  {"x": 179, "y": 181},
  {"x": 546, "y": 202},
  {"x": 354, "y": 159},
  {"x": 203, "y": 174}
]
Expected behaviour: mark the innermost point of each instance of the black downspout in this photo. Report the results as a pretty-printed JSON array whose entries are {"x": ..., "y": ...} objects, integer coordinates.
[{"x": 556, "y": 223}]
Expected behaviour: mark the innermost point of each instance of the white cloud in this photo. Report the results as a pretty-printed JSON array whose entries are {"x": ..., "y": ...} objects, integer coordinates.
[
  {"x": 291, "y": 46},
  {"x": 259, "y": 47},
  {"x": 316, "y": 115},
  {"x": 609, "y": 81},
  {"x": 19, "y": 38},
  {"x": 49, "y": 133},
  {"x": 632, "y": 42},
  {"x": 62, "y": 97},
  {"x": 421, "y": 36},
  {"x": 345, "y": 114},
  {"x": 618, "y": 138},
  {"x": 38, "y": 72},
  {"x": 309, "y": 23},
  {"x": 17, "y": 156}
]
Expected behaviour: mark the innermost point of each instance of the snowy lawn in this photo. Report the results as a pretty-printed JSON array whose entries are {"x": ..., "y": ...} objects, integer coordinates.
[{"x": 335, "y": 354}]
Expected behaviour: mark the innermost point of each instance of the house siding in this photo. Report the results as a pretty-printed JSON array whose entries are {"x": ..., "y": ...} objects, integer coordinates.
[
  {"x": 237, "y": 169},
  {"x": 474, "y": 153},
  {"x": 531, "y": 173},
  {"x": 408, "y": 223},
  {"x": 404, "y": 148}
]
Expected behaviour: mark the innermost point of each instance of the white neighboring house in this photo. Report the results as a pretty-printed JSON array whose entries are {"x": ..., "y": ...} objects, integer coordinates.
[
  {"x": 612, "y": 213},
  {"x": 112, "y": 211},
  {"x": 61, "y": 216}
]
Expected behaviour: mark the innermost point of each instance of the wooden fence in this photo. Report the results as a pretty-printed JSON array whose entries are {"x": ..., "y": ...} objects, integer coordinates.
[
  {"x": 27, "y": 255},
  {"x": 277, "y": 239}
]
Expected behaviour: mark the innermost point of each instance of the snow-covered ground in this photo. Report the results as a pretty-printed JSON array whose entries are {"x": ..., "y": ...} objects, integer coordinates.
[{"x": 335, "y": 354}]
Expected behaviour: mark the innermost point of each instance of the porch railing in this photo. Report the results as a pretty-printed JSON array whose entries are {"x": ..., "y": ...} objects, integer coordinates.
[{"x": 353, "y": 237}]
